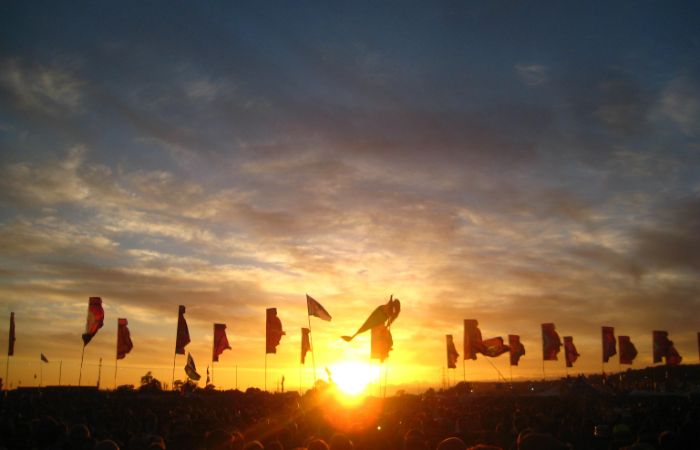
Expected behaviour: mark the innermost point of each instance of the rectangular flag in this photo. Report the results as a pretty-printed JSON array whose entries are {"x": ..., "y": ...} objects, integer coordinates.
[
  {"x": 273, "y": 331},
  {"x": 472, "y": 338},
  {"x": 314, "y": 308},
  {"x": 493, "y": 347},
  {"x": 381, "y": 342},
  {"x": 516, "y": 349},
  {"x": 11, "y": 340},
  {"x": 191, "y": 369},
  {"x": 551, "y": 344},
  {"x": 627, "y": 350},
  {"x": 95, "y": 319},
  {"x": 183, "y": 333},
  {"x": 661, "y": 345},
  {"x": 570, "y": 351},
  {"x": 220, "y": 341},
  {"x": 452, "y": 354},
  {"x": 124, "y": 344},
  {"x": 608, "y": 343},
  {"x": 44, "y": 358},
  {"x": 305, "y": 343}
]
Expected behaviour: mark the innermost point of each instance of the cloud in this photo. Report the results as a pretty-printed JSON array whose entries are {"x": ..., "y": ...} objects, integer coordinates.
[
  {"x": 532, "y": 74},
  {"x": 680, "y": 103}
]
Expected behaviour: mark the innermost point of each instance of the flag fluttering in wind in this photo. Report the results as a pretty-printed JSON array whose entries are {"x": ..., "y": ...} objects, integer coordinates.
[
  {"x": 220, "y": 341},
  {"x": 551, "y": 344},
  {"x": 381, "y": 343},
  {"x": 273, "y": 331},
  {"x": 95, "y": 319},
  {"x": 570, "y": 351},
  {"x": 44, "y": 358},
  {"x": 305, "y": 344},
  {"x": 516, "y": 349},
  {"x": 664, "y": 349},
  {"x": 452, "y": 354},
  {"x": 627, "y": 350},
  {"x": 608, "y": 343},
  {"x": 382, "y": 315},
  {"x": 124, "y": 344},
  {"x": 11, "y": 340},
  {"x": 493, "y": 347},
  {"x": 315, "y": 309},
  {"x": 191, "y": 369},
  {"x": 472, "y": 338},
  {"x": 183, "y": 333}
]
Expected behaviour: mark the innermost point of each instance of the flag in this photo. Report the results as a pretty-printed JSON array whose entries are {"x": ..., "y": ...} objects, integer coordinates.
[
  {"x": 551, "y": 344},
  {"x": 44, "y": 358},
  {"x": 673, "y": 358},
  {"x": 452, "y": 354},
  {"x": 382, "y": 315},
  {"x": 516, "y": 349},
  {"x": 183, "y": 333},
  {"x": 11, "y": 340},
  {"x": 627, "y": 350},
  {"x": 220, "y": 341},
  {"x": 608, "y": 343},
  {"x": 124, "y": 344},
  {"x": 570, "y": 351},
  {"x": 381, "y": 342},
  {"x": 95, "y": 319},
  {"x": 207, "y": 375},
  {"x": 493, "y": 347},
  {"x": 273, "y": 331},
  {"x": 472, "y": 338},
  {"x": 315, "y": 309},
  {"x": 664, "y": 349},
  {"x": 191, "y": 370},
  {"x": 305, "y": 344}
]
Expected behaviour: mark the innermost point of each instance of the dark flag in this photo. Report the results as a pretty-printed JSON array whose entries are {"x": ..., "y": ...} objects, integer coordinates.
[
  {"x": 124, "y": 344},
  {"x": 273, "y": 331},
  {"x": 627, "y": 350},
  {"x": 305, "y": 344},
  {"x": 314, "y": 308},
  {"x": 452, "y": 354},
  {"x": 664, "y": 349},
  {"x": 220, "y": 341},
  {"x": 608, "y": 343},
  {"x": 11, "y": 340},
  {"x": 551, "y": 344},
  {"x": 183, "y": 333},
  {"x": 44, "y": 358},
  {"x": 516, "y": 349},
  {"x": 382, "y": 315},
  {"x": 207, "y": 375},
  {"x": 472, "y": 338},
  {"x": 493, "y": 347},
  {"x": 570, "y": 351},
  {"x": 673, "y": 358},
  {"x": 95, "y": 319},
  {"x": 381, "y": 342},
  {"x": 191, "y": 369}
]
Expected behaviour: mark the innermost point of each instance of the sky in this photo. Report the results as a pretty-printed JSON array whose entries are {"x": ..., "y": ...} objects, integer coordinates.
[{"x": 511, "y": 162}]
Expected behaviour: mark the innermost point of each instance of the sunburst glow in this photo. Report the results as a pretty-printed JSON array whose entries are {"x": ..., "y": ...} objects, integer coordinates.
[{"x": 352, "y": 377}]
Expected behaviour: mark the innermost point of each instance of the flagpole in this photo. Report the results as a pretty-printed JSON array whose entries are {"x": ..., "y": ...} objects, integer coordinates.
[
  {"x": 60, "y": 370},
  {"x": 41, "y": 372},
  {"x": 7, "y": 372},
  {"x": 464, "y": 370},
  {"x": 236, "y": 376},
  {"x": 172, "y": 384},
  {"x": 99, "y": 374},
  {"x": 311, "y": 338},
  {"x": 116, "y": 364},
  {"x": 213, "y": 349},
  {"x": 80, "y": 374},
  {"x": 386, "y": 376},
  {"x": 265, "y": 370}
]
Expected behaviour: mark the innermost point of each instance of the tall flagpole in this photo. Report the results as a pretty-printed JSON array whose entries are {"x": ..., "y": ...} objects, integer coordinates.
[
  {"x": 116, "y": 363},
  {"x": 99, "y": 374},
  {"x": 172, "y": 384},
  {"x": 80, "y": 374},
  {"x": 213, "y": 345},
  {"x": 60, "y": 371},
  {"x": 266, "y": 370},
  {"x": 311, "y": 337},
  {"x": 236, "y": 376},
  {"x": 7, "y": 372},
  {"x": 41, "y": 372}
]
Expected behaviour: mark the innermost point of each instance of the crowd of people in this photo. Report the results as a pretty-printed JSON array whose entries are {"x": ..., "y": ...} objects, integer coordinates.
[{"x": 453, "y": 419}]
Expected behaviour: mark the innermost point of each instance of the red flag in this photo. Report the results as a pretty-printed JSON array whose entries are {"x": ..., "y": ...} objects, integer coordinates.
[
  {"x": 183, "y": 333},
  {"x": 551, "y": 344},
  {"x": 452, "y": 354},
  {"x": 472, "y": 338},
  {"x": 95, "y": 319},
  {"x": 305, "y": 343},
  {"x": 662, "y": 345},
  {"x": 124, "y": 344},
  {"x": 608, "y": 343},
  {"x": 673, "y": 358},
  {"x": 570, "y": 351},
  {"x": 220, "y": 341},
  {"x": 273, "y": 331},
  {"x": 11, "y": 340},
  {"x": 516, "y": 349},
  {"x": 314, "y": 308},
  {"x": 381, "y": 343},
  {"x": 493, "y": 347},
  {"x": 627, "y": 350}
]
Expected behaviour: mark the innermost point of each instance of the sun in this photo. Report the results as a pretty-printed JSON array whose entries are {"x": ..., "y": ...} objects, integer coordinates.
[{"x": 352, "y": 377}]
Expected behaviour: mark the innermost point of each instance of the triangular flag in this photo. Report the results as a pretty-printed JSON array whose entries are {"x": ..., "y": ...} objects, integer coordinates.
[
  {"x": 95, "y": 319},
  {"x": 315, "y": 309},
  {"x": 44, "y": 358},
  {"x": 191, "y": 369}
]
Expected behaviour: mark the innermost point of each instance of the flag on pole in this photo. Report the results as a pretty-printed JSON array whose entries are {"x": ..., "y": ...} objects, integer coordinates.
[
  {"x": 516, "y": 349},
  {"x": 570, "y": 351},
  {"x": 220, "y": 341},
  {"x": 493, "y": 347},
  {"x": 183, "y": 333},
  {"x": 551, "y": 344},
  {"x": 315, "y": 309},
  {"x": 664, "y": 349},
  {"x": 273, "y": 331},
  {"x": 673, "y": 358},
  {"x": 305, "y": 343},
  {"x": 452, "y": 354},
  {"x": 381, "y": 342},
  {"x": 11, "y": 340},
  {"x": 44, "y": 358},
  {"x": 191, "y": 369},
  {"x": 627, "y": 350},
  {"x": 608, "y": 343},
  {"x": 382, "y": 315},
  {"x": 95, "y": 319},
  {"x": 124, "y": 344},
  {"x": 472, "y": 338}
]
